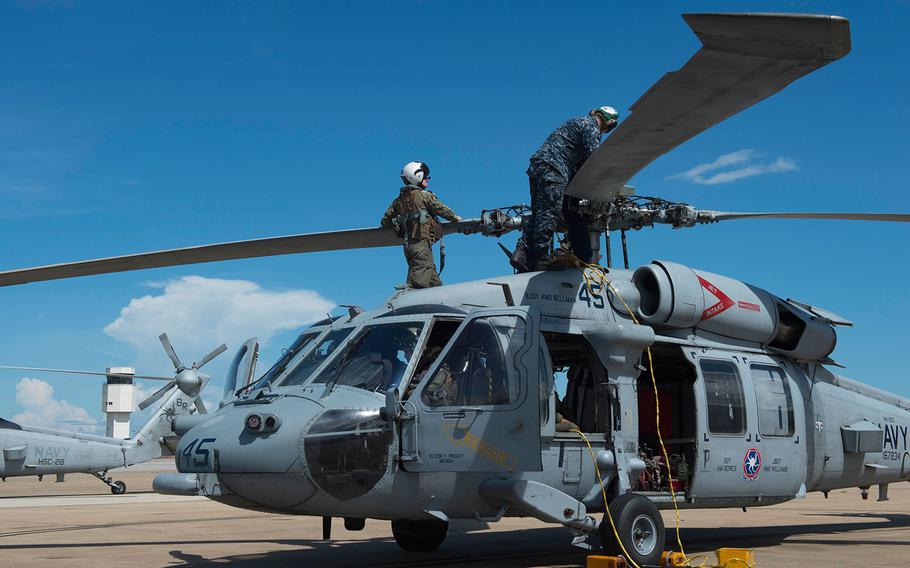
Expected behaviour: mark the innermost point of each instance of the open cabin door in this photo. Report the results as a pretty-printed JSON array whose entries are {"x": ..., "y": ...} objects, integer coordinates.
[
  {"x": 242, "y": 368},
  {"x": 478, "y": 406}
]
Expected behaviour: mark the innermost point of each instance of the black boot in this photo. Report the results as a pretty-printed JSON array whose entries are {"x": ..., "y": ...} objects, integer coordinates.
[{"x": 519, "y": 258}]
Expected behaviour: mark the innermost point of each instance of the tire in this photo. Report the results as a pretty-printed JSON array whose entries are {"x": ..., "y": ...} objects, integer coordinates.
[
  {"x": 419, "y": 536},
  {"x": 639, "y": 525},
  {"x": 118, "y": 488}
]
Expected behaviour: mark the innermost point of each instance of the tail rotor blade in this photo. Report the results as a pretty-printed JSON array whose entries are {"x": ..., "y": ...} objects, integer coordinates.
[
  {"x": 169, "y": 349},
  {"x": 215, "y": 352},
  {"x": 200, "y": 406},
  {"x": 156, "y": 395},
  {"x": 78, "y": 372}
]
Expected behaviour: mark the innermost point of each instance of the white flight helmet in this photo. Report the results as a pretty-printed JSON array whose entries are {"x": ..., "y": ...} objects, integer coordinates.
[{"x": 415, "y": 172}]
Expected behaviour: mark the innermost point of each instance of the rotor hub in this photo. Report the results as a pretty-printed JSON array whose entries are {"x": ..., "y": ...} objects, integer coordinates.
[{"x": 188, "y": 381}]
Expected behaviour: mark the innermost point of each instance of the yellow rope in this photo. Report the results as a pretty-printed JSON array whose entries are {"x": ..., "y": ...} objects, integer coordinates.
[
  {"x": 603, "y": 491},
  {"x": 598, "y": 273}
]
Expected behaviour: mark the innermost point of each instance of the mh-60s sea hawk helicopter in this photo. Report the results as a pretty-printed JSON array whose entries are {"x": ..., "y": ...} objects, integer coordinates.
[
  {"x": 440, "y": 404},
  {"x": 38, "y": 451}
]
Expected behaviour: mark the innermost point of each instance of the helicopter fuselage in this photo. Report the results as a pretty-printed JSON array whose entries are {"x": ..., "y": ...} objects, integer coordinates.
[{"x": 443, "y": 404}]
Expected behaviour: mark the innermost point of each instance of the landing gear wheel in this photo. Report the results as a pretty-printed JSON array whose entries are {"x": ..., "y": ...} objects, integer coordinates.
[
  {"x": 639, "y": 525},
  {"x": 118, "y": 488},
  {"x": 419, "y": 536}
]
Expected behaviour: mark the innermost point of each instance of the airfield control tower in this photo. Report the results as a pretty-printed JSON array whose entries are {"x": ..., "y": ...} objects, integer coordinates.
[{"x": 117, "y": 401}]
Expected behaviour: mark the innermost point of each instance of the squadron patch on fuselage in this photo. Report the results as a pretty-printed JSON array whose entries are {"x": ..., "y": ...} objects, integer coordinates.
[{"x": 751, "y": 464}]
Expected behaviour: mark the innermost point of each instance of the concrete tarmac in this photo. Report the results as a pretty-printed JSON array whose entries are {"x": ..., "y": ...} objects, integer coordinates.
[{"x": 79, "y": 523}]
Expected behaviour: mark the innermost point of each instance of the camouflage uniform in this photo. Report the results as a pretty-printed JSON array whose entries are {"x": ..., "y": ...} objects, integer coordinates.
[
  {"x": 552, "y": 168},
  {"x": 413, "y": 216}
]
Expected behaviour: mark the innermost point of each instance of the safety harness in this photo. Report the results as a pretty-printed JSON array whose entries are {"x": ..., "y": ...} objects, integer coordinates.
[{"x": 415, "y": 222}]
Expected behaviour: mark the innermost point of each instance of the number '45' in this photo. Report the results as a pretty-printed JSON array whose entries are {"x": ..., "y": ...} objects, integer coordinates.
[
  {"x": 201, "y": 454},
  {"x": 594, "y": 298}
]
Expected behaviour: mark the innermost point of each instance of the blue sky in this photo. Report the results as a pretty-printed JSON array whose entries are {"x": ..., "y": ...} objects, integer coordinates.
[{"x": 130, "y": 126}]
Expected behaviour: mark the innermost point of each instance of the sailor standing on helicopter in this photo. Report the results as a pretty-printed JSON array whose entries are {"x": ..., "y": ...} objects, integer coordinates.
[
  {"x": 552, "y": 167},
  {"x": 413, "y": 216}
]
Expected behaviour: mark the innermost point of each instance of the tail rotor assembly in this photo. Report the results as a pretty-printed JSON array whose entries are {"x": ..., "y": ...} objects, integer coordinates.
[{"x": 188, "y": 379}]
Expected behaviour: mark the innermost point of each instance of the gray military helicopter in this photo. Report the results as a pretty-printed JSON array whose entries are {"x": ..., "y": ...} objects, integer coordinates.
[
  {"x": 34, "y": 450},
  {"x": 440, "y": 404}
]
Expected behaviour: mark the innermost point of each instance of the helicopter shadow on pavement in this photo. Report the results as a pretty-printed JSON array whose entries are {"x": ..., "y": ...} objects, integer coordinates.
[
  {"x": 775, "y": 535},
  {"x": 544, "y": 546}
]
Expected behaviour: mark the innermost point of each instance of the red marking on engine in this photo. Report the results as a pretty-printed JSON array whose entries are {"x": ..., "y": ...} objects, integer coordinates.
[
  {"x": 723, "y": 301},
  {"x": 749, "y": 306}
]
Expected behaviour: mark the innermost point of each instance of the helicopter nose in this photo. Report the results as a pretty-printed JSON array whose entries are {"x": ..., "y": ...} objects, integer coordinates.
[
  {"x": 346, "y": 451},
  {"x": 254, "y": 449},
  {"x": 248, "y": 438},
  {"x": 282, "y": 453}
]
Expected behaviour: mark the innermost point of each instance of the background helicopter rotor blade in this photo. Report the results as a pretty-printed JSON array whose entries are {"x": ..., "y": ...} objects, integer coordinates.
[
  {"x": 744, "y": 59},
  {"x": 200, "y": 406},
  {"x": 153, "y": 398},
  {"x": 711, "y": 216},
  {"x": 268, "y": 246},
  {"x": 169, "y": 349},
  {"x": 78, "y": 372},
  {"x": 215, "y": 352}
]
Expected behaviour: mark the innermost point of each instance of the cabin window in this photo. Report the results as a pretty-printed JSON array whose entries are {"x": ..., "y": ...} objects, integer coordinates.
[
  {"x": 775, "y": 405},
  {"x": 479, "y": 369},
  {"x": 724, "y": 391}
]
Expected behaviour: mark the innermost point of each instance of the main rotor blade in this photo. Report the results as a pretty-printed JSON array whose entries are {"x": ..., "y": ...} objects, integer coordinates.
[
  {"x": 745, "y": 58},
  {"x": 215, "y": 352},
  {"x": 269, "y": 246},
  {"x": 169, "y": 349},
  {"x": 78, "y": 372},
  {"x": 711, "y": 216},
  {"x": 156, "y": 395}
]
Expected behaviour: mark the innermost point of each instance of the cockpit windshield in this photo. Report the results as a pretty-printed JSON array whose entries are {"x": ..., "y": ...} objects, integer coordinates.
[
  {"x": 376, "y": 359},
  {"x": 314, "y": 358},
  {"x": 300, "y": 345}
]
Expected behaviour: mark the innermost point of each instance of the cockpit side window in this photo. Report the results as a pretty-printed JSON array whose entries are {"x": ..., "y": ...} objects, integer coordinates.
[
  {"x": 316, "y": 357},
  {"x": 440, "y": 334},
  {"x": 476, "y": 370}
]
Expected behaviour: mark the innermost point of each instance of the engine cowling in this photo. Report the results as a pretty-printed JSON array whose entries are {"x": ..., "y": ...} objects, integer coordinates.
[{"x": 676, "y": 296}]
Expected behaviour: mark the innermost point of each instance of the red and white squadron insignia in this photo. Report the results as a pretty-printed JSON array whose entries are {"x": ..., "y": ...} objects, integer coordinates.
[
  {"x": 723, "y": 301},
  {"x": 751, "y": 464}
]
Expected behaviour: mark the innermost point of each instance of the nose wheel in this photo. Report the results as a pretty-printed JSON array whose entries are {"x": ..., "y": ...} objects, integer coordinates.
[
  {"x": 419, "y": 536},
  {"x": 639, "y": 526}
]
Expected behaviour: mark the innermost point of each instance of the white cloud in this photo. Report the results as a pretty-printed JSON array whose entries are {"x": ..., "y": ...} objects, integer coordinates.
[
  {"x": 42, "y": 409},
  {"x": 199, "y": 314},
  {"x": 742, "y": 158}
]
